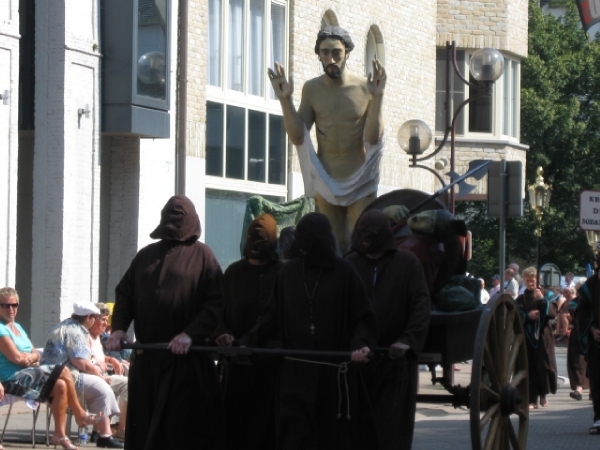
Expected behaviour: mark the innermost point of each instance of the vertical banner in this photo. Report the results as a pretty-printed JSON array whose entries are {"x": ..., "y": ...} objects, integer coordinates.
[{"x": 589, "y": 11}]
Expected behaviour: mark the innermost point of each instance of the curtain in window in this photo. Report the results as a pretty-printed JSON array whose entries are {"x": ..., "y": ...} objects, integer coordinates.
[
  {"x": 236, "y": 44},
  {"x": 214, "y": 42},
  {"x": 256, "y": 60},
  {"x": 506, "y": 99},
  {"x": 515, "y": 99},
  {"x": 277, "y": 37}
]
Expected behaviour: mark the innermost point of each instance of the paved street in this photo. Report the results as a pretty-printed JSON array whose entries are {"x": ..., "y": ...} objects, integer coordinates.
[{"x": 562, "y": 425}]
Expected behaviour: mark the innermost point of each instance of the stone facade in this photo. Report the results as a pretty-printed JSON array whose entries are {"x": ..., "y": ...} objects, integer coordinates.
[
  {"x": 78, "y": 204},
  {"x": 500, "y": 24}
]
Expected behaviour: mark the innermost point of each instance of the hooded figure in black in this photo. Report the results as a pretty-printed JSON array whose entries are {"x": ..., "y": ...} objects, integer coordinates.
[
  {"x": 588, "y": 326},
  {"x": 248, "y": 390},
  {"x": 399, "y": 297},
  {"x": 319, "y": 303},
  {"x": 173, "y": 292}
]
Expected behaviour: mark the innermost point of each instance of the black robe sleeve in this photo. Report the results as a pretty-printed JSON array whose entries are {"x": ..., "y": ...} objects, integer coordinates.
[
  {"x": 365, "y": 328},
  {"x": 419, "y": 307},
  {"x": 210, "y": 293}
]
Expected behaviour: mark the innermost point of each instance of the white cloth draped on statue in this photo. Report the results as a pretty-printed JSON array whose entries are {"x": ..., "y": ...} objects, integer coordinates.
[{"x": 339, "y": 192}]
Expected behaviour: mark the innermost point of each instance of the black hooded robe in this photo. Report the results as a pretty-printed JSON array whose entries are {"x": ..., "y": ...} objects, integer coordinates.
[
  {"x": 320, "y": 404},
  {"x": 172, "y": 286},
  {"x": 588, "y": 317},
  {"x": 249, "y": 389},
  {"x": 399, "y": 296}
]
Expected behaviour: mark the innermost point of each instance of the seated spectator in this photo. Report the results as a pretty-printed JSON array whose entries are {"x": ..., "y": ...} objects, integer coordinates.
[
  {"x": 68, "y": 341},
  {"x": 20, "y": 361},
  {"x": 123, "y": 355},
  {"x": 107, "y": 364}
]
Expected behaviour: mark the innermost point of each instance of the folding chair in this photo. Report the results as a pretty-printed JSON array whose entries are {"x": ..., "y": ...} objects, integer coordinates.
[{"x": 36, "y": 411}]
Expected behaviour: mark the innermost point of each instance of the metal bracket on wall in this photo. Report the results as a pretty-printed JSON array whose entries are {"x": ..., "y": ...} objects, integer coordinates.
[{"x": 5, "y": 97}]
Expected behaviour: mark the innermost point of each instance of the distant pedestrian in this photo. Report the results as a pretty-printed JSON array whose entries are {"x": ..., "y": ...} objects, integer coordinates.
[
  {"x": 517, "y": 274},
  {"x": 536, "y": 313},
  {"x": 569, "y": 280},
  {"x": 576, "y": 365},
  {"x": 495, "y": 289},
  {"x": 511, "y": 286},
  {"x": 485, "y": 295}
]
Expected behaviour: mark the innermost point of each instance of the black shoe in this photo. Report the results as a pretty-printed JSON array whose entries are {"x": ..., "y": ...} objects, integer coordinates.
[
  {"x": 108, "y": 442},
  {"x": 94, "y": 437}
]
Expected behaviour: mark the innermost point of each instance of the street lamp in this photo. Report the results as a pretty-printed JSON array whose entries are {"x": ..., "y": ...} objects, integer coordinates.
[
  {"x": 593, "y": 238},
  {"x": 486, "y": 66},
  {"x": 539, "y": 200}
]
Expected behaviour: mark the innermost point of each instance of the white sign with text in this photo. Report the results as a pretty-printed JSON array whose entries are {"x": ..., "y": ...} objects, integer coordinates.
[{"x": 589, "y": 210}]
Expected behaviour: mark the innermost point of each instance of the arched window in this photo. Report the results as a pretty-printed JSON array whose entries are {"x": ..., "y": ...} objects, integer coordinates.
[
  {"x": 374, "y": 48},
  {"x": 329, "y": 19}
]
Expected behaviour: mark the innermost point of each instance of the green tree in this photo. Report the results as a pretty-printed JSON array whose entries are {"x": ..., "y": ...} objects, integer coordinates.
[{"x": 560, "y": 121}]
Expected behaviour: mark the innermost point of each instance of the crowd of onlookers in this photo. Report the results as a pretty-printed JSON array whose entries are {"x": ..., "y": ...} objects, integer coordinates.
[
  {"x": 566, "y": 316},
  {"x": 73, "y": 370}
]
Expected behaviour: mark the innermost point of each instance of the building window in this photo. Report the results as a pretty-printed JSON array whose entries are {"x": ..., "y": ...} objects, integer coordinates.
[
  {"x": 240, "y": 34},
  {"x": 245, "y": 138},
  {"x": 457, "y": 93},
  {"x": 481, "y": 114},
  {"x": 245, "y": 144},
  {"x": 492, "y": 116},
  {"x": 214, "y": 42},
  {"x": 510, "y": 99},
  {"x": 374, "y": 49},
  {"x": 329, "y": 19}
]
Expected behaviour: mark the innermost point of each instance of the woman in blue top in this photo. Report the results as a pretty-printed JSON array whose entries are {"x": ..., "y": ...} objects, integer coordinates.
[{"x": 19, "y": 360}]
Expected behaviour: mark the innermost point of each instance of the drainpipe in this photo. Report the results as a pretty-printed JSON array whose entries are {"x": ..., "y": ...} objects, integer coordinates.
[{"x": 181, "y": 138}]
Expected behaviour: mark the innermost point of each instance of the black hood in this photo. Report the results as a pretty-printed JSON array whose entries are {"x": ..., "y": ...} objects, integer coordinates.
[
  {"x": 178, "y": 221},
  {"x": 373, "y": 228},
  {"x": 315, "y": 241}
]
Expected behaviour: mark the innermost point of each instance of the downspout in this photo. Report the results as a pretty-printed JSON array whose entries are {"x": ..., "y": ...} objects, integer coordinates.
[{"x": 181, "y": 137}]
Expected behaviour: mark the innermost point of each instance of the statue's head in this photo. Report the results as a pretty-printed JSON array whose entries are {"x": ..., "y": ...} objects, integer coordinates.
[{"x": 333, "y": 47}]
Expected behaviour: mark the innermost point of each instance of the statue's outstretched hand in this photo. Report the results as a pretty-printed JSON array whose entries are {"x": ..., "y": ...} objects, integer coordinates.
[
  {"x": 377, "y": 79},
  {"x": 282, "y": 87}
]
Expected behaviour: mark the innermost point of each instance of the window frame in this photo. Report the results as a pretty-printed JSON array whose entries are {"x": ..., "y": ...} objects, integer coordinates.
[
  {"x": 265, "y": 103},
  {"x": 498, "y": 102}
]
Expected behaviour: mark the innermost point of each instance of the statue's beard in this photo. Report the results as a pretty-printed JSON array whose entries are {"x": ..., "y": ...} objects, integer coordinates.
[{"x": 333, "y": 71}]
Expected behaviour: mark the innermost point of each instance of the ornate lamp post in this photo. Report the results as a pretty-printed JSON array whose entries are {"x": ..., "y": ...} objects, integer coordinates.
[
  {"x": 414, "y": 136},
  {"x": 593, "y": 237},
  {"x": 539, "y": 199}
]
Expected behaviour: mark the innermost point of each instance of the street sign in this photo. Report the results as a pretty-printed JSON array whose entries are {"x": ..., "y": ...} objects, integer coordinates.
[
  {"x": 549, "y": 275},
  {"x": 512, "y": 195},
  {"x": 589, "y": 210}
]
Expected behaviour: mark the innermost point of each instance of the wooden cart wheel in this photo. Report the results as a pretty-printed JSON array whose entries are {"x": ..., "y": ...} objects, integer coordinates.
[{"x": 499, "y": 391}]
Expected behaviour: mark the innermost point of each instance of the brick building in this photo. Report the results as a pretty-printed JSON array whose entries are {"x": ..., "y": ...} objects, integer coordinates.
[{"x": 85, "y": 174}]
